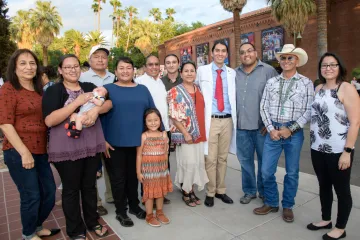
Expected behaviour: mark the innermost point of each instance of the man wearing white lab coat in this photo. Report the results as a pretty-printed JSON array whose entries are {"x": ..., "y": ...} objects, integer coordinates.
[{"x": 217, "y": 82}]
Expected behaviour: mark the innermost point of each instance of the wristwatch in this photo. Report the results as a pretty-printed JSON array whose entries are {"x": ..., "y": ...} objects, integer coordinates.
[{"x": 348, "y": 150}]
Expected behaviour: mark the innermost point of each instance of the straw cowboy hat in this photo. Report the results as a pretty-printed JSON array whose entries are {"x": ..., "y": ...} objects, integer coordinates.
[{"x": 291, "y": 49}]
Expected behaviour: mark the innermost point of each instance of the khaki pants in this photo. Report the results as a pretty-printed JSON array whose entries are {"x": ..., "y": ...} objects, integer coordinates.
[
  {"x": 108, "y": 192},
  {"x": 216, "y": 160}
]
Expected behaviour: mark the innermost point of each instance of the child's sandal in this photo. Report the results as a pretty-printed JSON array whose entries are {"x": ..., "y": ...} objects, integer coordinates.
[
  {"x": 74, "y": 133},
  {"x": 71, "y": 125},
  {"x": 100, "y": 228}
]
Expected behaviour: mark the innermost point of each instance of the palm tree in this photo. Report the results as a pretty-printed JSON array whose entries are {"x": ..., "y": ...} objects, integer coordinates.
[
  {"x": 235, "y": 6},
  {"x": 293, "y": 14},
  {"x": 98, "y": 2},
  {"x": 45, "y": 23},
  {"x": 170, "y": 12},
  {"x": 20, "y": 29},
  {"x": 95, "y": 8},
  {"x": 75, "y": 41},
  {"x": 131, "y": 11},
  {"x": 115, "y": 4},
  {"x": 156, "y": 14},
  {"x": 322, "y": 27},
  {"x": 94, "y": 38},
  {"x": 119, "y": 15},
  {"x": 146, "y": 35}
]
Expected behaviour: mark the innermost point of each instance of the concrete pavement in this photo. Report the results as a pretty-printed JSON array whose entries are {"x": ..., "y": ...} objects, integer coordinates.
[{"x": 236, "y": 221}]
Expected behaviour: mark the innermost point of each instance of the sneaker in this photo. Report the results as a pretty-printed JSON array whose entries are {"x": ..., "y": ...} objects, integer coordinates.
[
  {"x": 152, "y": 221},
  {"x": 161, "y": 217},
  {"x": 247, "y": 198}
]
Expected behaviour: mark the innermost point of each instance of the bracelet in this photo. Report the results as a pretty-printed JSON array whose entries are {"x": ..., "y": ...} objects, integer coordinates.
[{"x": 294, "y": 127}]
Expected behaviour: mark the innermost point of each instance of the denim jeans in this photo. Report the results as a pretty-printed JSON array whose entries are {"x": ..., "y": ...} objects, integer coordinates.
[
  {"x": 36, "y": 187},
  {"x": 247, "y": 142},
  {"x": 272, "y": 151}
]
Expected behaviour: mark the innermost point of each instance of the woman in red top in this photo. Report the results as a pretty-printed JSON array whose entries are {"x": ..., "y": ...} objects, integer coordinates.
[
  {"x": 25, "y": 143},
  {"x": 187, "y": 112}
]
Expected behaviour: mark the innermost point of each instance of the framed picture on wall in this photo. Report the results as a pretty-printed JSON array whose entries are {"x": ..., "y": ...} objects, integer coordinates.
[
  {"x": 248, "y": 38},
  {"x": 227, "y": 42},
  {"x": 202, "y": 54},
  {"x": 272, "y": 41},
  {"x": 185, "y": 54}
]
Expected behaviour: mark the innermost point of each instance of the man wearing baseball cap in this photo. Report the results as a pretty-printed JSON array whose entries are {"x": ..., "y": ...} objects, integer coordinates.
[
  {"x": 285, "y": 108},
  {"x": 99, "y": 75}
]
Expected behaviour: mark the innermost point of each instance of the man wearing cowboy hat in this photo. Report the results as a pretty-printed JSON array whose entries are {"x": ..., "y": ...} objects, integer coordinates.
[{"x": 285, "y": 109}]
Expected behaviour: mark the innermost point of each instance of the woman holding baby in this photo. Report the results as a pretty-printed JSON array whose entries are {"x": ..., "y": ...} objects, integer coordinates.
[{"x": 75, "y": 158}]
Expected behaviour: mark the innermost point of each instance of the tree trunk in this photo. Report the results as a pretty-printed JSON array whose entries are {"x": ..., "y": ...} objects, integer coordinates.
[
  {"x": 112, "y": 34},
  {"x": 45, "y": 56},
  {"x": 322, "y": 27},
  {"x": 77, "y": 51},
  {"x": 99, "y": 15},
  {"x": 237, "y": 33},
  {"x": 127, "y": 42},
  {"x": 117, "y": 32}
]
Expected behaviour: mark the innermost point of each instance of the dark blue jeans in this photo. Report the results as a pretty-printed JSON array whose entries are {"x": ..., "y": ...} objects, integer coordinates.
[
  {"x": 247, "y": 142},
  {"x": 271, "y": 154},
  {"x": 36, "y": 187}
]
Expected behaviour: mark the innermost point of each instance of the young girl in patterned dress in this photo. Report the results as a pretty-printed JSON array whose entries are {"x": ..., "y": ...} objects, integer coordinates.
[{"x": 152, "y": 167}]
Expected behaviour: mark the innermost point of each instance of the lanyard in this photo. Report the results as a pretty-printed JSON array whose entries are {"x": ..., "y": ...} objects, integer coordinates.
[{"x": 287, "y": 92}]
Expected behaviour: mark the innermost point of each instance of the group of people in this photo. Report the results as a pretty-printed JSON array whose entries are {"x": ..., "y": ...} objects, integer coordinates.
[{"x": 207, "y": 112}]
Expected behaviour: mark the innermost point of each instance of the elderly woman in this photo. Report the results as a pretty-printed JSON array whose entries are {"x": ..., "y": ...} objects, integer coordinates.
[
  {"x": 25, "y": 143},
  {"x": 335, "y": 117},
  {"x": 187, "y": 112},
  {"x": 123, "y": 127},
  {"x": 76, "y": 160}
]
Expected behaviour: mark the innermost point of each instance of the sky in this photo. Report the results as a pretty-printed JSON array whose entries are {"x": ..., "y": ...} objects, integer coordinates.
[{"x": 78, "y": 14}]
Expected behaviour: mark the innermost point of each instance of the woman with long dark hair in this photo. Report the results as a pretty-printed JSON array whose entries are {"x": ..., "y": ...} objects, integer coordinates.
[
  {"x": 76, "y": 160},
  {"x": 25, "y": 143},
  {"x": 335, "y": 121}
]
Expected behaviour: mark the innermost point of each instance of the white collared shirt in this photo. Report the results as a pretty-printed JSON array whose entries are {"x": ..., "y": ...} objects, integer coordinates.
[
  {"x": 91, "y": 76},
  {"x": 158, "y": 92}
]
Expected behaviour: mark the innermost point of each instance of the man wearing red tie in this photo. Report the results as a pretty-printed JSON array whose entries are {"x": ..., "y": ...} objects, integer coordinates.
[{"x": 217, "y": 82}]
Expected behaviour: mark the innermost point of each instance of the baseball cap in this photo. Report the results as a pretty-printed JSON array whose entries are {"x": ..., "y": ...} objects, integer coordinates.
[{"x": 98, "y": 47}]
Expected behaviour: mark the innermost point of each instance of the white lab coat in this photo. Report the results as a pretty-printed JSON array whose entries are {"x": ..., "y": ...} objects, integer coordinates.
[{"x": 205, "y": 80}]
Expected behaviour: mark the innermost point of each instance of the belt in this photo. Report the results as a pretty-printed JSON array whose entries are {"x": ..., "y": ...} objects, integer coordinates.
[{"x": 221, "y": 116}]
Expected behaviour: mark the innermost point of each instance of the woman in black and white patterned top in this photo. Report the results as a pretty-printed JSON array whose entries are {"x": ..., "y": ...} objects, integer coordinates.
[{"x": 335, "y": 117}]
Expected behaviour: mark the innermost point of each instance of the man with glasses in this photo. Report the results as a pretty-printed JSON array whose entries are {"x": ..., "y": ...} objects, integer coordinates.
[
  {"x": 157, "y": 90},
  {"x": 285, "y": 108},
  {"x": 99, "y": 75},
  {"x": 251, "y": 77}
]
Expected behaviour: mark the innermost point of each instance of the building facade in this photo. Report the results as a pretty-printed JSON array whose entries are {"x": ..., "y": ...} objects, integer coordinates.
[{"x": 268, "y": 36}]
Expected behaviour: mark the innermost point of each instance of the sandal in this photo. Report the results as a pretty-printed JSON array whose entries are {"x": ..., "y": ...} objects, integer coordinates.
[
  {"x": 70, "y": 125},
  {"x": 194, "y": 198},
  {"x": 78, "y": 237},
  {"x": 187, "y": 199},
  {"x": 74, "y": 133},
  {"x": 100, "y": 228}
]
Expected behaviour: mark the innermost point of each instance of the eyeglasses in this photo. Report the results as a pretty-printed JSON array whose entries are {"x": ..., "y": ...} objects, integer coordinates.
[
  {"x": 69, "y": 68},
  {"x": 250, "y": 50},
  {"x": 289, "y": 58},
  {"x": 332, "y": 66},
  {"x": 152, "y": 64}
]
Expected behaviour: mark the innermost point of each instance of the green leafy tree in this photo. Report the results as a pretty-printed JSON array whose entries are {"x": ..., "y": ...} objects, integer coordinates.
[
  {"x": 119, "y": 15},
  {"x": 20, "y": 29},
  {"x": 98, "y": 5},
  {"x": 115, "y": 4},
  {"x": 181, "y": 28},
  {"x": 7, "y": 46},
  {"x": 45, "y": 22},
  {"x": 94, "y": 38},
  {"x": 293, "y": 14},
  {"x": 75, "y": 41},
  {"x": 146, "y": 33},
  {"x": 235, "y": 6},
  {"x": 170, "y": 12}
]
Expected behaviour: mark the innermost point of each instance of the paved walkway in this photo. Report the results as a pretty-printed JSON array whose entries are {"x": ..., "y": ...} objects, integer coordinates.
[{"x": 222, "y": 222}]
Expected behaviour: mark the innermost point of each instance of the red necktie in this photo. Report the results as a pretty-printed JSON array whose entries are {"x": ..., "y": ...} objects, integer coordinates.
[{"x": 219, "y": 91}]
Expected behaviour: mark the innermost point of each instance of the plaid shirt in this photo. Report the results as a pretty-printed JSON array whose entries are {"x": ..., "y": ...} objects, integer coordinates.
[{"x": 297, "y": 106}]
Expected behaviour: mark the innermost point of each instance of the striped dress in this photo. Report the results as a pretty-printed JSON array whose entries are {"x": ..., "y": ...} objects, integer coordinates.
[{"x": 154, "y": 167}]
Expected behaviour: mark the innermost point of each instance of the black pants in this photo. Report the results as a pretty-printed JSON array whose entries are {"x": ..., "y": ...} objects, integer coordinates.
[
  {"x": 169, "y": 136},
  {"x": 328, "y": 173},
  {"x": 121, "y": 168},
  {"x": 79, "y": 177}
]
